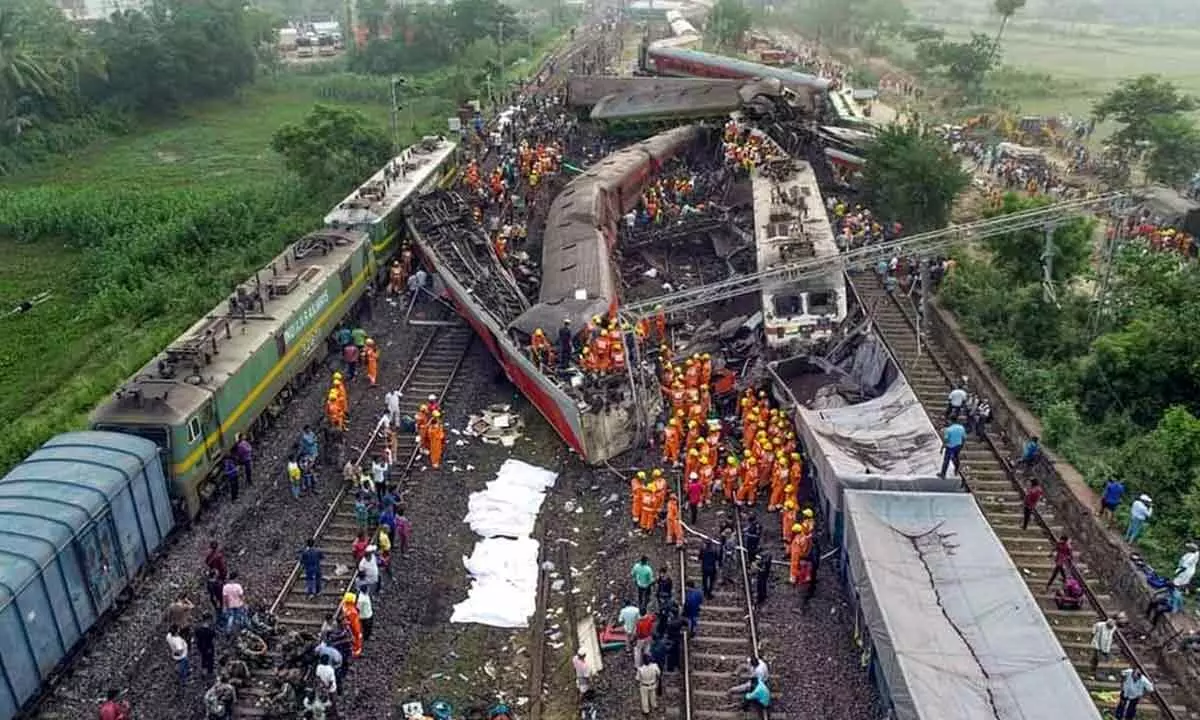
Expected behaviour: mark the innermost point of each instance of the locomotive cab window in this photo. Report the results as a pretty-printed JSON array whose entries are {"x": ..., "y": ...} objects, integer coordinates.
[{"x": 193, "y": 429}]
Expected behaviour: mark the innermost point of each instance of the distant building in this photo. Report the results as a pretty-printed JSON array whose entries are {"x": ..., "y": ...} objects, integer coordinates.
[{"x": 90, "y": 10}]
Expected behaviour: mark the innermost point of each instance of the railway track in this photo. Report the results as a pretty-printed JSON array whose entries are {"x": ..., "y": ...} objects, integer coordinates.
[
  {"x": 432, "y": 373},
  {"x": 990, "y": 477},
  {"x": 727, "y": 634}
]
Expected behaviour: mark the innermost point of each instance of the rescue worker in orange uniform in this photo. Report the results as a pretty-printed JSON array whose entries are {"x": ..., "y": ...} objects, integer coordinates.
[
  {"x": 343, "y": 396},
  {"x": 437, "y": 439},
  {"x": 798, "y": 548},
  {"x": 353, "y": 621},
  {"x": 779, "y": 478},
  {"x": 618, "y": 353},
  {"x": 705, "y": 370},
  {"x": 796, "y": 470},
  {"x": 678, "y": 397},
  {"x": 691, "y": 462},
  {"x": 649, "y": 514},
  {"x": 788, "y": 517},
  {"x": 660, "y": 323},
  {"x": 422, "y": 420},
  {"x": 691, "y": 373},
  {"x": 707, "y": 476},
  {"x": 641, "y": 332},
  {"x": 693, "y": 434},
  {"x": 539, "y": 347},
  {"x": 674, "y": 526},
  {"x": 636, "y": 484},
  {"x": 333, "y": 412},
  {"x": 602, "y": 352},
  {"x": 807, "y": 522},
  {"x": 671, "y": 440},
  {"x": 371, "y": 356},
  {"x": 729, "y": 477},
  {"x": 748, "y": 486}
]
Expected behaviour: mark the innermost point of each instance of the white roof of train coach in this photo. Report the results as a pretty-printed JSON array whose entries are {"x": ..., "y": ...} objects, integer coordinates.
[{"x": 357, "y": 210}]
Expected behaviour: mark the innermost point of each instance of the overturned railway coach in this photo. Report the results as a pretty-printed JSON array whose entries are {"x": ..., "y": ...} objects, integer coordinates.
[
  {"x": 578, "y": 282},
  {"x": 231, "y": 371}
]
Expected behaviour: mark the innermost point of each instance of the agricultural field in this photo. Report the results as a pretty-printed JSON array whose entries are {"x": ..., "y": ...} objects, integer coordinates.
[
  {"x": 1085, "y": 61},
  {"x": 134, "y": 238}
]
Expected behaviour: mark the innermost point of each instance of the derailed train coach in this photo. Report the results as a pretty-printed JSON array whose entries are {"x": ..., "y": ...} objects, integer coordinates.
[{"x": 579, "y": 280}]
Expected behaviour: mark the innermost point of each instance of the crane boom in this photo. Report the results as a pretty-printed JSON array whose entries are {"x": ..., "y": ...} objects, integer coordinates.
[{"x": 920, "y": 244}]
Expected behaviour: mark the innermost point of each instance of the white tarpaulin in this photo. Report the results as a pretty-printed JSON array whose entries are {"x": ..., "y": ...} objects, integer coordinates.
[
  {"x": 886, "y": 443},
  {"x": 954, "y": 628},
  {"x": 504, "y": 565}
]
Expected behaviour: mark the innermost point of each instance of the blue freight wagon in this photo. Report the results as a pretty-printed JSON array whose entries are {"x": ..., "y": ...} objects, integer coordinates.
[{"x": 78, "y": 519}]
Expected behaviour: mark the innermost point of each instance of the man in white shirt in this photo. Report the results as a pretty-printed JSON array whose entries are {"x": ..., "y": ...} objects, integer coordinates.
[
  {"x": 1102, "y": 640},
  {"x": 1133, "y": 687},
  {"x": 628, "y": 618},
  {"x": 1187, "y": 566},
  {"x": 753, "y": 670},
  {"x": 648, "y": 675},
  {"x": 326, "y": 677},
  {"x": 955, "y": 402},
  {"x": 1139, "y": 514},
  {"x": 368, "y": 569},
  {"x": 179, "y": 653},
  {"x": 366, "y": 613},
  {"x": 392, "y": 400}
]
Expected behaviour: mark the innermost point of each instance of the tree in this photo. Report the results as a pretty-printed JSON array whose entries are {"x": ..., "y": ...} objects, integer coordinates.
[
  {"x": 332, "y": 148},
  {"x": 728, "y": 22},
  {"x": 1019, "y": 254},
  {"x": 963, "y": 63},
  {"x": 1174, "y": 155},
  {"x": 1135, "y": 104},
  {"x": 1006, "y": 8},
  {"x": 913, "y": 177}
]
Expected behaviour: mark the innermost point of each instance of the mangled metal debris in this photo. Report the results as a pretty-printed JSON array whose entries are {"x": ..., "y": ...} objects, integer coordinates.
[{"x": 496, "y": 425}]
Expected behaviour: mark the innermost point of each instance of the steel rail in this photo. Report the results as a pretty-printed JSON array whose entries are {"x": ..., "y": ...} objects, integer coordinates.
[
  {"x": 1011, "y": 474},
  {"x": 921, "y": 243},
  {"x": 762, "y": 713},
  {"x": 686, "y": 661},
  {"x": 366, "y": 448}
]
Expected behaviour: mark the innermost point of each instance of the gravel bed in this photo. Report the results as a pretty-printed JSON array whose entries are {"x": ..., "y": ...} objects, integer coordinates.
[{"x": 261, "y": 533}]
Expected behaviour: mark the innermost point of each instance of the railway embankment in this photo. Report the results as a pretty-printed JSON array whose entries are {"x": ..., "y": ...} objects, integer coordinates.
[{"x": 1075, "y": 504}]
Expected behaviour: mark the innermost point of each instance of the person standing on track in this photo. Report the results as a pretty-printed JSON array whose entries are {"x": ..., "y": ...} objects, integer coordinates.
[
  {"x": 1029, "y": 503},
  {"x": 244, "y": 453},
  {"x": 1063, "y": 554},
  {"x": 310, "y": 560},
  {"x": 648, "y": 675},
  {"x": 1102, "y": 640},
  {"x": 953, "y": 438},
  {"x": 371, "y": 361},
  {"x": 229, "y": 469},
  {"x": 628, "y": 617},
  {"x": 366, "y": 613},
  {"x": 392, "y": 400},
  {"x": 178, "y": 648},
  {"x": 206, "y": 637},
  {"x": 1133, "y": 686},
  {"x": 674, "y": 526},
  {"x": 710, "y": 562},
  {"x": 693, "y": 598},
  {"x": 353, "y": 621},
  {"x": 233, "y": 597},
  {"x": 695, "y": 495},
  {"x": 437, "y": 439},
  {"x": 403, "y": 530},
  {"x": 643, "y": 580}
]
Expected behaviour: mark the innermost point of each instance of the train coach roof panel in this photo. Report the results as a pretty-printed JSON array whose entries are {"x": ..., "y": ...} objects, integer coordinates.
[
  {"x": 956, "y": 631},
  {"x": 750, "y": 69},
  {"x": 422, "y": 161},
  {"x": 708, "y": 99},
  {"x": 56, "y": 492}
]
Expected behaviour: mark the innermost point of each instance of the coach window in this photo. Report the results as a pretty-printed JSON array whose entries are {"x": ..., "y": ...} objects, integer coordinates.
[
  {"x": 822, "y": 303},
  {"x": 193, "y": 430}
]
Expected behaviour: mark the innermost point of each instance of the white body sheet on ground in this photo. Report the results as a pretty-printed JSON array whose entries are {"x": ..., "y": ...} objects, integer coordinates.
[
  {"x": 504, "y": 564},
  {"x": 886, "y": 443},
  {"x": 954, "y": 628}
]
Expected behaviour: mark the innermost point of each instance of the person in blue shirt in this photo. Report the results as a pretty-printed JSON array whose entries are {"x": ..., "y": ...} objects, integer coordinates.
[
  {"x": 308, "y": 442},
  {"x": 1030, "y": 453},
  {"x": 759, "y": 696},
  {"x": 693, "y": 598},
  {"x": 310, "y": 560},
  {"x": 953, "y": 438},
  {"x": 1114, "y": 490}
]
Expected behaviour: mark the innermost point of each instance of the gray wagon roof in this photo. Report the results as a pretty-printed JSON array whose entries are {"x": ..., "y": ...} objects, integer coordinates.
[{"x": 55, "y": 493}]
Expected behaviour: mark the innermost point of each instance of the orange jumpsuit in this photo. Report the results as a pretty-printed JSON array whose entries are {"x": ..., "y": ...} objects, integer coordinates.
[
  {"x": 707, "y": 475},
  {"x": 660, "y": 325},
  {"x": 778, "y": 482},
  {"x": 437, "y": 438},
  {"x": 789, "y": 519},
  {"x": 671, "y": 444},
  {"x": 372, "y": 358},
  {"x": 729, "y": 478},
  {"x": 801, "y": 570},
  {"x": 602, "y": 352},
  {"x": 674, "y": 527},
  {"x": 539, "y": 347},
  {"x": 795, "y": 473},
  {"x": 333, "y": 411},
  {"x": 748, "y": 489},
  {"x": 343, "y": 396},
  {"x": 350, "y": 612},
  {"x": 649, "y": 513},
  {"x": 422, "y": 420}
]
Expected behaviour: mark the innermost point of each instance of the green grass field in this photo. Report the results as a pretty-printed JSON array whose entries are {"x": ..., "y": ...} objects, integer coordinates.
[
  {"x": 1088, "y": 60},
  {"x": 56, "y": 361}
]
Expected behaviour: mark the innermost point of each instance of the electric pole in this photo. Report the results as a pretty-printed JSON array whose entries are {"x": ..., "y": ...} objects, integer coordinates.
[
  {"x": 1048, "y": 293},
  {"x": 500, "y": 43}
]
